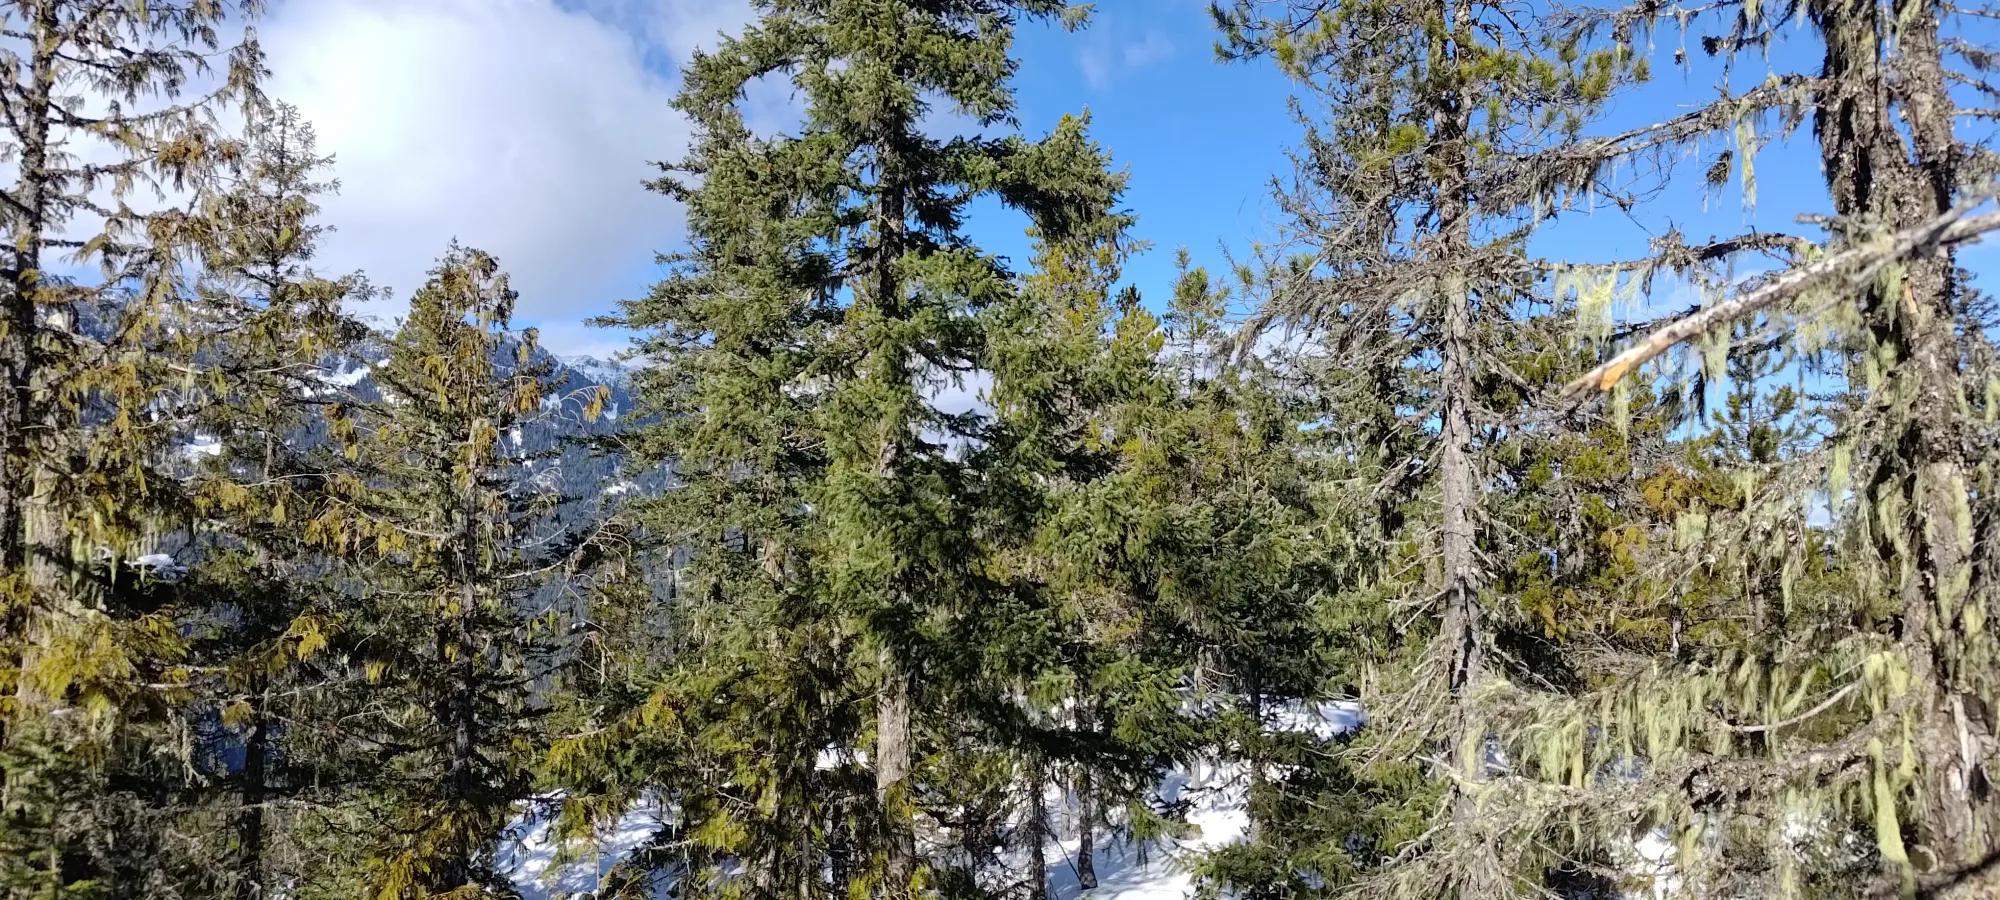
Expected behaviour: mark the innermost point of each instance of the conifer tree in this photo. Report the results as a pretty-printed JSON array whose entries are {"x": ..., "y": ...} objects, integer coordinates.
[
  {"x": 1858, "y": 732},
  {"x": 1225, "y": 536},
  {"x": 1411, "y": 276},
  {"x": 450, "y": 547},
  {"x": 1078, "y": 640},
  {"x": 830, "y": 521},
  {"x": 86, "y": 660},
  {"x": 262, "y": 607}
]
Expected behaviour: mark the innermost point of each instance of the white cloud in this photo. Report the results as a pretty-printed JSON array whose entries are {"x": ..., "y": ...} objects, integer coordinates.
[
  {"x": 1154, "y": 47},
  {"x": 518, "y": 126},
  {"x": 1105, "y": 55}
]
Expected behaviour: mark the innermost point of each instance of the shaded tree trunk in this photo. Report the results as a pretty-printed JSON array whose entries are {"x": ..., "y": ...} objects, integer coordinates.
[
  {"x": 458, "y": 643},
  {"x": 892, "y": 773},
  {"x": 250, "y": 816},
  {"x": 1087, "y": 812},
  {"x": 1038, "y": 830}
]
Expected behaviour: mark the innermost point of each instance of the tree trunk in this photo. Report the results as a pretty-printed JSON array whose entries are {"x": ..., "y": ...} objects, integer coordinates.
[
  {"x": 892, "y": 726},
  {"x": 24, "y": 531},
  {"x": 30, "y": 539},
  {"x": 458, "y": 646},
  {"x": 1462, "y": 630},
  {"x": 250, "y": 815},
  {"x": 17, "y": 331},
  {"x": 1086, "y": 803},
  {"x": 1038, "y": 831},
  {"x": 1878, "y": 181},
  {"x": 1256, "y": 756},
  {"x": 892, "y": 774},
  {"x": 1086, "y": 832}
]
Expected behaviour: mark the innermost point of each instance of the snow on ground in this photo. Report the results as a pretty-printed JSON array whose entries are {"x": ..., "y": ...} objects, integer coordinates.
[
  {"x": 159, "y": 566},
  {"x": 1158, "y": 871},
  {"x": 528, "y": 853},
  {"x": 1216, "y": 792},
  {"x": 202, "y": 445}
]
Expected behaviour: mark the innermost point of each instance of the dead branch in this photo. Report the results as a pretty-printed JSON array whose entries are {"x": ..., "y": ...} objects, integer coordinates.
[{"x": 1858, "y": 262}]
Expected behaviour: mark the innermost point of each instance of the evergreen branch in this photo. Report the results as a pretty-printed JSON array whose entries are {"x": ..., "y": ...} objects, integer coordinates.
[
  {"x": 1728, "y": 778},
  {"x": 1571, "y": 163},
  {"x": 1670, "y": 251}
]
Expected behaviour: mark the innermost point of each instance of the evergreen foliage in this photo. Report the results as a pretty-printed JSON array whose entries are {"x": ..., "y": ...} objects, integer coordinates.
[
  {"x": 849, "y": 601},
  {"x": 451, "y": 550},
  {"x": 108, "y": 351},
  {"x": 914, "y": 574}
]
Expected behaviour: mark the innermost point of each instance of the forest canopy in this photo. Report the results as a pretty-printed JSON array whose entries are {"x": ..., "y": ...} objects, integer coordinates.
[{"x": 1419, "y": 553}]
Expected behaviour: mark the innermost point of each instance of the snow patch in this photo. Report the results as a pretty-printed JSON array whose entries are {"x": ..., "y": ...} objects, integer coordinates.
[
  {"x": 601, "y": 371},
  {"x": 202, "y": 445},
  {"x": 529, "y": 852},
  {"x": 344, "y": 376},
  {"x": 1325, "y": 720},
  {"x": 1217, "y": 794},
  {"x": 160, "y": 566}
]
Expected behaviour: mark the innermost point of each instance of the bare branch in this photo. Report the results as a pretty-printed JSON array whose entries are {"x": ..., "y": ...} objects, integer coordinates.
[{"x": 1952, "y": 228}]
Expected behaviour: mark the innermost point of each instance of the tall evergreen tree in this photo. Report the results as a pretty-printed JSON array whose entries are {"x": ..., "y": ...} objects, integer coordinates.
[
  {"x": 261, "y": 604},
  {"x": 830, "y": 516},
  {"x": 1869, "y": 730},
  {"x": 97, "y": 370},
  {"x": 1413, "y": 280},
  {"x": 452, "y": 547},
  {"x": 1079, "y": 645}
]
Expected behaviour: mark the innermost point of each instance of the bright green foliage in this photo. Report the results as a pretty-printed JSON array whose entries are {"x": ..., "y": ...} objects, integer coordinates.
[
  {"x": 1077, "y": 642},
  {"x": 1227, "y": 532}
]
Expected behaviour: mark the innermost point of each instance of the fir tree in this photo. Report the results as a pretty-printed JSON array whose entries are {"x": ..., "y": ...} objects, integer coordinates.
[
  {"x": 831, "y": 522},
  {"x": 262, "y": 607},
  {"x": 1090, "y": 664},
  {"x": 1412, "y": 276},
  {"x": 97, "y": 372},
  {"x": 1860, "y": 729}
]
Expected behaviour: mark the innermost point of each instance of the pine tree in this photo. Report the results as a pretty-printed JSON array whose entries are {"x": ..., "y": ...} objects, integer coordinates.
[
  {"x": 261, "y": 604},
  {"x": 1091, "y": 662},
  {"x": 1414, "y": 274},
  {"x": 1870, "y": 730},
  {"x": 1229, "y": 537}
]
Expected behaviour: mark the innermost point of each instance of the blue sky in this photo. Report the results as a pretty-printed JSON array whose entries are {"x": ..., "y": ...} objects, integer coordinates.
[
  {"x": 1199, "y": 139},
  {"x": 525, "y": 126}
]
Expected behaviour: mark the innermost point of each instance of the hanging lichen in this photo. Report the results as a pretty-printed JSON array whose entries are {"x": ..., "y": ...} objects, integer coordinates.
[{"x": 1746, "y": 144}]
